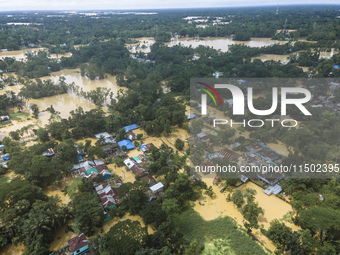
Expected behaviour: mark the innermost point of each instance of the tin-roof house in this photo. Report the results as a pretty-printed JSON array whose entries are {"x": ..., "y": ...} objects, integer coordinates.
[
  {"x": 157, "y": 188},
  {"x": 79, "y": 245}
]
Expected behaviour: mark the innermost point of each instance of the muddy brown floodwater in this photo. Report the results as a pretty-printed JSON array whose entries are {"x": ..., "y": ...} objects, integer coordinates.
[
  {"x": 222, "y": 43},
  {"x": 273, "y": 207},
  {"x": 218, "y": 43},
  {"x": 10, "y": 249},
  {"x": 282, "y": 58},
  {"x": 63, "y": 103},
  {"x": 58, "y": 187},
  {"x": 304, "y": 68},
  {"x": 20, "y": 54},
  {"x": 143, "y": 44},
  {"x": 73, "y": 75},
  {"x": 62, "y": 237}
]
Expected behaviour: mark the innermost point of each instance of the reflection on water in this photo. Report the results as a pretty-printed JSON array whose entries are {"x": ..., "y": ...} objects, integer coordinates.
[
  {"x": 63, "y": 103},
  {"x": 218, "y": 43},
  {"x": 142, "y": 45},
  {"x": 73, "y": 75},
  {"x": 223, "y": 43},
  {"x": 20, "y": 54}
]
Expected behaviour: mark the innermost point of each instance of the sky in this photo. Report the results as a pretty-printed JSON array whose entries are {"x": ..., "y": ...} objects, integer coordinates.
[{"x": 10, "y": 5}]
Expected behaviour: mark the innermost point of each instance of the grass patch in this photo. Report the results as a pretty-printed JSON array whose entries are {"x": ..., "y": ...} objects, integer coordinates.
[
  {"x": 218, "y": 247},
  {"x": 220, "y": 232},
  {"x": 3, "y": 180},
  {"x": 19, "y": 116}
]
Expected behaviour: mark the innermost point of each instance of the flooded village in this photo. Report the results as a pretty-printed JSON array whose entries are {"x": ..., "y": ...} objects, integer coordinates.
[
  {"x": 120, "y": 158},
  {"x": 208, "y": 208}
]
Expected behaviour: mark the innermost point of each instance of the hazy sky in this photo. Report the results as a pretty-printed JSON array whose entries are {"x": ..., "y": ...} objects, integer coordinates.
[{"x": 6, "y": 5}]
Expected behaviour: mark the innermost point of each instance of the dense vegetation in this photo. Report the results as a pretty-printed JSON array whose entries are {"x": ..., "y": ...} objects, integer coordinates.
[
  {"x": 62, "y": 31},
  {"x": 32, "y": 218}
]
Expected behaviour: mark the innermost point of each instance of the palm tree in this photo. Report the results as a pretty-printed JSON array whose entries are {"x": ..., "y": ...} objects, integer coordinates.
[{"x": 102, "y": 140}]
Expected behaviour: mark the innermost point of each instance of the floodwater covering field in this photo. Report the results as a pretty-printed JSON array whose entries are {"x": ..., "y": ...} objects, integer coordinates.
[
  {"x": 21, "y": 54},
  {"x": 273, "y": 207},
  {"x": 282, "y": 58},
  {"x": 62, "y": 236},
  {"x": 221, "y": 43},
  {"x": 218, "y": 43},
  {"x": 63, "y": 103}
]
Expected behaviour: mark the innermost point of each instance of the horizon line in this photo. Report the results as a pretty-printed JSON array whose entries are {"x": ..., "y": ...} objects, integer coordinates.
[{"x": 171, "y": 8}]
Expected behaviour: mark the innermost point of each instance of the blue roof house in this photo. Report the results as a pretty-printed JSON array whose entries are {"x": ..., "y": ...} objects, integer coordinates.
[
  {"x": 127, "y": 143},
  {"x": 131, "y": 127}
]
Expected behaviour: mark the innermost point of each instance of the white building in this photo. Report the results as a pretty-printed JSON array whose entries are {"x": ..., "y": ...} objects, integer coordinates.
[{"x": 157, "y": 188}]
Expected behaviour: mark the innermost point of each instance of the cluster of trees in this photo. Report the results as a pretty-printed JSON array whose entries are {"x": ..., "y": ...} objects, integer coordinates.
[
  {"x": 30, "y": 217},
  {"x": 99, "y": 96},
  {"x": 36, "y": 168},
  {"x": 250, "y": 210},
  {"x": 5, "y": 65},
  {"x": 88, "y": 220},
  {"x": 280, "y": 49},
  {"x": 10, "y": 99},
  {"x": 320, "y": 231},
  {"x": 297, "y": 242},
  {"x": 305, "y": 58},
  {"x": 38, "y": 88},
  {"x": 60, "y": 33},
  {"x": 129, "y": 237},
  {"x": 164, "y": 161},
  {"x": 36, "y": 65},
  {"x": 146, "y": 105},
  {"x": 99, "y": 58}
]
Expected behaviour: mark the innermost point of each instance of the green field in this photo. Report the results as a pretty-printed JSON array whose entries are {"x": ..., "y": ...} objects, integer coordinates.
[
  {"x": 3, "y": 179},
  {"x": 220, "y": 236},
  {"x": 18, "y": 116}
]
